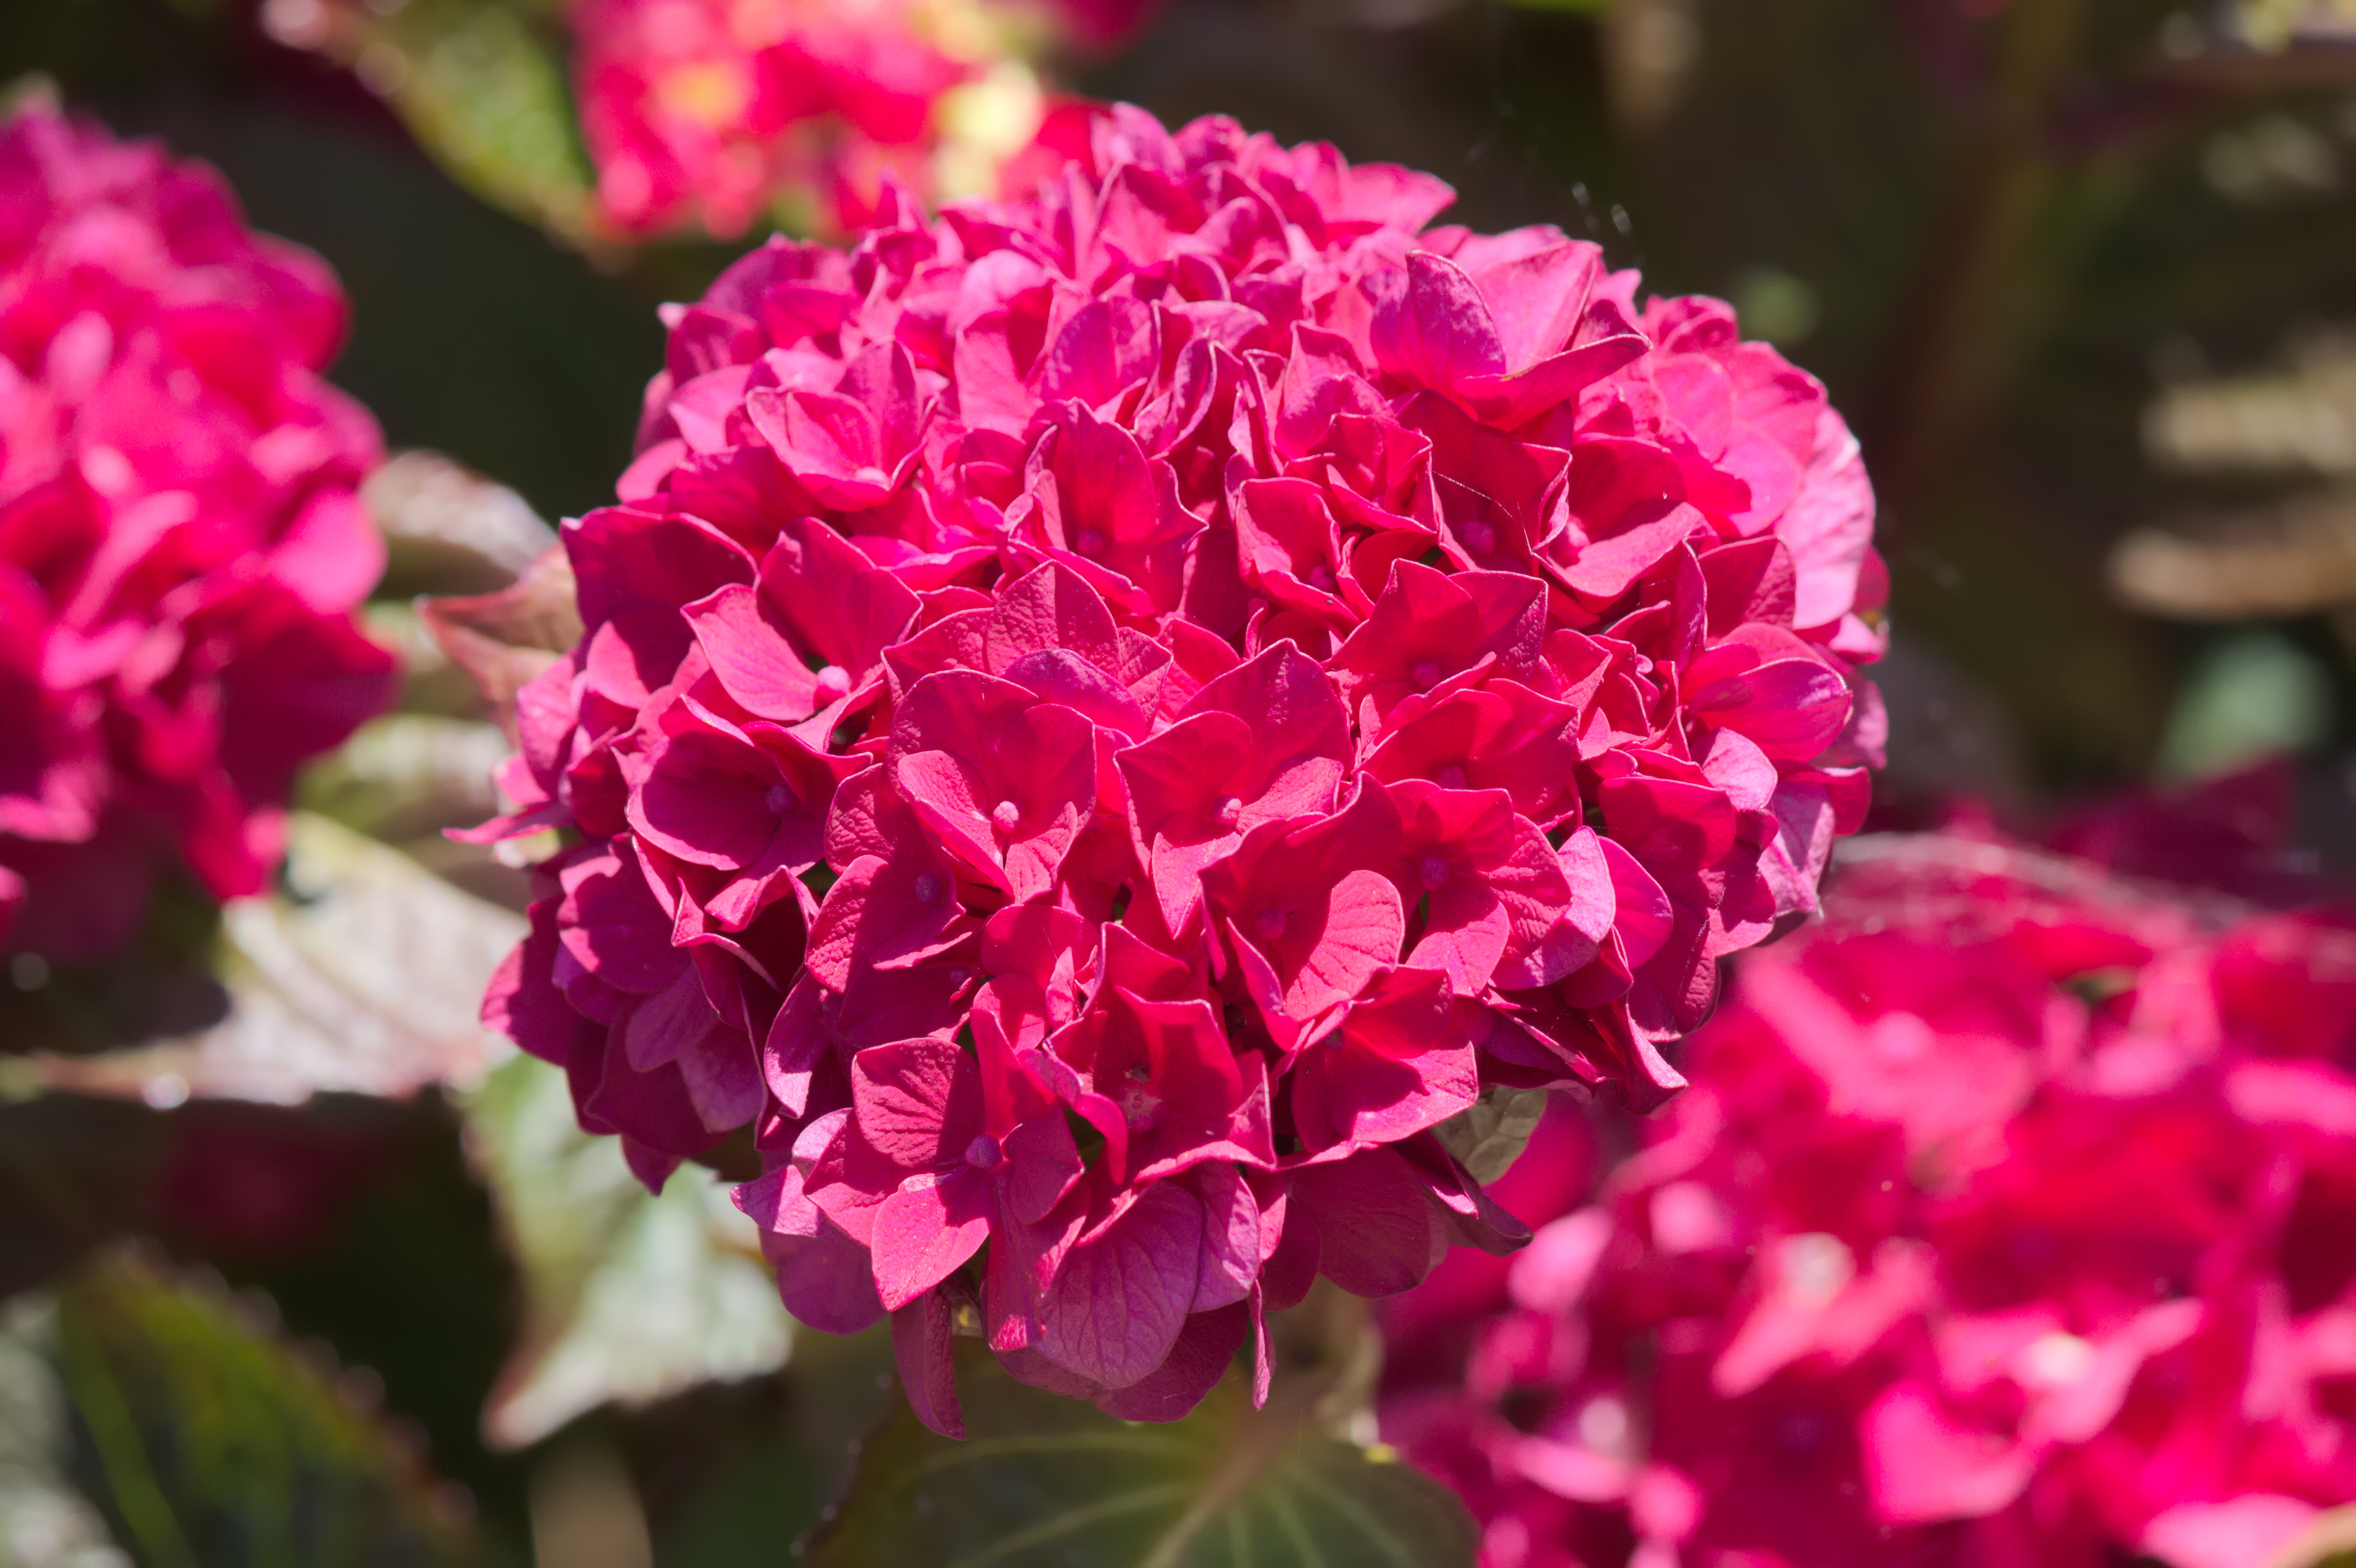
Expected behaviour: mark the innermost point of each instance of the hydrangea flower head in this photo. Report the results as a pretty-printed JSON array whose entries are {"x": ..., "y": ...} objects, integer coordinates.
[
  {"x": 181, "y": 544},
  {"x": 708, "y": 111},
  {"x": 1108, "y": 717},
  {"x": 2007, "y": 1221}
]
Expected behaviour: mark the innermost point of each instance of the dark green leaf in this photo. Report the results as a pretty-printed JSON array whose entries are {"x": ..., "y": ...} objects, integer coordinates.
[
  {"x": 481, "y": 87},
  {"x": 43, "y": 1521},
  {"x": 205, "y": 1441},
  {"x": 1045, "y": 1480}
]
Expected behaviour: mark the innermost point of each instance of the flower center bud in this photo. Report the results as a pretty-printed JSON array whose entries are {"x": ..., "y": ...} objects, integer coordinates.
[
  {"x": 1268, "y": 924},
  {"x": 984, "y": 1153},
  {"x": 1006, "y": 817},
  {"x": 107, "y": 471},
  {"x": 2057, "y": 1359},
  {"x": 1425, "y": 673},
  {"x": 1436, "y": 871},
  {"x": 779, "y": 800},
  {"x": 1089, "y": 543},
  {"x": 1450, "y": 777},
  {"x": 1139, "y": 1103},
  {"x": 1228, "y": 812},
  {"x": 1603, "y": 1424},
  {"x": 1321, "y": 579},
  {"x": 833, "y": 684},
  {"x": 927, "y": 887}
]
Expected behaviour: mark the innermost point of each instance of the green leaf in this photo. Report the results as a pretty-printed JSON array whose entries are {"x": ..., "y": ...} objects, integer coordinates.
[
  {"x": 1489, "y": 1135},
  {"x": 406, "y": 775},
  {"x": 2252, "y": 695},
  {"x": 1043, "y": 1480},
  {"x": 447, "y": 529},
  {"x": 43, "y": 1521},
  {"x": 364, "y": 977},
  {"x": 481, "y": 86},
  {"x": 629, "y": 1297},
  {"x": 205, "y": 1441}
]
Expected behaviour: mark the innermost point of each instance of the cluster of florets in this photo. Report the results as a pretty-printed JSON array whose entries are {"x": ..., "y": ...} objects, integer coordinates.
[
  {"x": 181, "y": 545},
  {"x": 1108, "y": 717},
  {"x": 709, "y": 112},
  {"x": 2010, "y": 1220}
]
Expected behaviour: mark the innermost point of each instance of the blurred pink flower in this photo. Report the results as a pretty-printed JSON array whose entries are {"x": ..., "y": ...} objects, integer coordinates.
[
  {"x": 2008, "y": 1220},
  {"x": 181, "y": 545},
  {"x": 708, "y": 113}
]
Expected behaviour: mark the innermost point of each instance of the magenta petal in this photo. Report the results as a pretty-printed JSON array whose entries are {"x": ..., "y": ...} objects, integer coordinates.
[
  {"x": 925, "y": 1231},
  {"x": 1205, "y": 1347},
  {"x": 918, "y": 1103},
  {"x": 1375, "y": 1229},
  {"x": 1119, "y": 1299},
  {"x": 1922, "y": 1465},
  {"x": 921, "y": 1345},
  {"x": 752, "y": 655}
]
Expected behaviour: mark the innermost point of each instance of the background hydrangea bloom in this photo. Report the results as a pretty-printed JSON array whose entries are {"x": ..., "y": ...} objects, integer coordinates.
[
  {"x": 1105, "y": 718},
  {"x": 2007, "y": 1221},
  {"x": 181, "y": 545},
  {"x": 707, "y": 111}
]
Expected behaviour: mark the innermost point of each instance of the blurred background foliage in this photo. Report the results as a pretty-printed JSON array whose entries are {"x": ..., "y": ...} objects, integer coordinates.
[{"x": 2083, "y": 273}]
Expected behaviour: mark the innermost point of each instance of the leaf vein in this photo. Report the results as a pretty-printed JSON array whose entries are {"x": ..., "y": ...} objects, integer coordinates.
[
  {"x": 1349, "y": 1508},
  {"x": 1052, "y": 1443},
  {"x": 1065, "y": 1524}
]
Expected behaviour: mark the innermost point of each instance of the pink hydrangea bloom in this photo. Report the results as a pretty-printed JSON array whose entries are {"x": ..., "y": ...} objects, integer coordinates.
[
  {"x": 2011, "y": 1219},
  {"x": 707, "y": 111},
  {"x": 1108, "y": 717},
  {"x": 703, "y": 110},
  {"x": 181, "y": 545}
]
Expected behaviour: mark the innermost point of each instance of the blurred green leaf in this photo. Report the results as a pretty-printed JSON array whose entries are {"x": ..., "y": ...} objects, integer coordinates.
[
  {"x": 410, "y": 774},
  {"x": 43, "y": 1521},
  {"x": 2254, "y": 696},
  {"x": 206, "y": 1441},
  {"x": 481, "y": 85},
  {"x": 629, "y": 1297},
  {"x": 450, "y": 529},
  {"x": 1043, "y": 1479},
  {"x": 1489, "y": 1135},
  {"x": 363, "y": 976}
]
